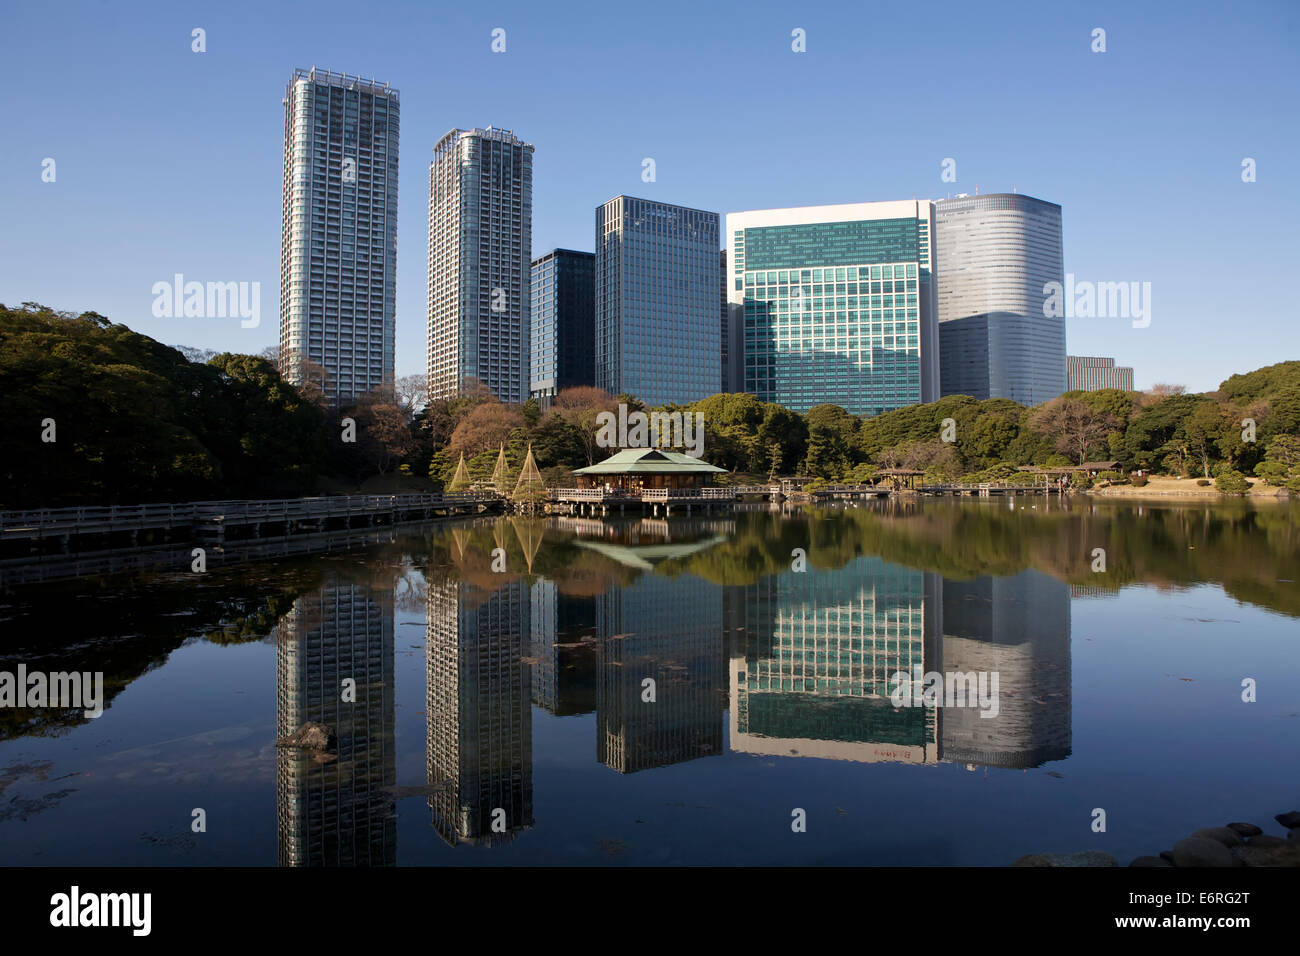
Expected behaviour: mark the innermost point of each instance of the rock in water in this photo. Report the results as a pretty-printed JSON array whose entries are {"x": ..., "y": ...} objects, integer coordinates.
[
  {"x": 1289, "y": 820},
  {"x": 1225, "y": 835},
  {"x": 1245, "y": 829},
  {"x": 310, "y": 736},
  {"x": 1200, "y": 851},
  {"x": 1267, "y": 840},
  {"x": 1086, "y": 858}
]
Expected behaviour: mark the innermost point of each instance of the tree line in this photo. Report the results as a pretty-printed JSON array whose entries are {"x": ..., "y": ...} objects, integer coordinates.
[{"x": 100, "y": 414}]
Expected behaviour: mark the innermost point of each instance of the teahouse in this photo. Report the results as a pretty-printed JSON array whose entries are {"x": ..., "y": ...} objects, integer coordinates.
[{"x": 634, "y": 469}]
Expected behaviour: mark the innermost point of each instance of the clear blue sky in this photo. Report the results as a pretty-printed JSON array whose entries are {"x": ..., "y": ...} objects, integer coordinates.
[{"x": 170, "y": 161}]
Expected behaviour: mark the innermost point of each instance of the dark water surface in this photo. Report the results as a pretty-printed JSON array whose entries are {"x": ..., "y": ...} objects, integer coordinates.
[{"x": 502, "y": 667}]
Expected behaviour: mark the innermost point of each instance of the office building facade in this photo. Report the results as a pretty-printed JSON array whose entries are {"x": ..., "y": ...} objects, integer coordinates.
[
  {"x": 338, "y": 249},
  {"x": 657, "y": 330},
  {"x": 993, "y": 256},
  {"x": 480, "y": 255},
  {"x": 563, "y": 338},
  {"x": 836, "y": 304},
  {"x": 1088, "y": 373}
]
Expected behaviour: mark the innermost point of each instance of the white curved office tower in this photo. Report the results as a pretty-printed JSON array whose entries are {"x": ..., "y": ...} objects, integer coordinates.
[
  {"x": 480, "y": 263},
  {"x": 993, "y": 255},
  {"x": 338, "y": 251}
]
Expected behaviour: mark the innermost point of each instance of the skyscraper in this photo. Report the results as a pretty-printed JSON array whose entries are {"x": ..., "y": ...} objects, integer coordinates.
[
  {"x": 836, "y": 304},
  {"x": 733, "y": 340},
  {"x": 993, "y": 255},
  {"x": 563, "y": 323},
  {"x": 338, "y": 248},
  {"x": 657, "y": 331},
  {"x": 1088, "y": 373},
  {"x": 480, "y": 249}
]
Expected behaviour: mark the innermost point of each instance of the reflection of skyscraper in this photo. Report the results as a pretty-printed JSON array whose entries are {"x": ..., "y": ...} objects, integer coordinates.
[
  {"x": 812, "y": 673},
  {"x": 563, "y": 662},
  {"x": 1018, "y": 627},
  {"x": 335, "y": 813},
  {"x": 479, "y": 713},
  {"x": 670, "y": 631}
]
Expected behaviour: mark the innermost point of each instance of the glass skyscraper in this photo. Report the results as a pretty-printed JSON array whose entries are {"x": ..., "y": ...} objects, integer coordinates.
[
  {"x": 563, "y": 323},
  {"x": 338, "y": 250},
  {"x": 993, "y": 256},
  {"x": 657, "y": 329},
  {"x": 480, "y": 253},
  {"x": 837, "y": 304}
]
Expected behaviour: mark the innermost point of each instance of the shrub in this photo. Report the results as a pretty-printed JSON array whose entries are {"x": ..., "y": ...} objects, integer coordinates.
[
  {"x": 1232, "y": 483},
  {"x": 1109, "y": 476},
  {"x": 1138, "y": 480},
  {"x": 1202, "y": 482}
]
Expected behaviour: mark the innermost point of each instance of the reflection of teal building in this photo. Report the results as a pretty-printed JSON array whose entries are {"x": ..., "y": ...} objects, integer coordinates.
[
  {"x": 337, "y": 813},
  {"x": 812, "y": 671},
  {"x": 479, "y": 714}
]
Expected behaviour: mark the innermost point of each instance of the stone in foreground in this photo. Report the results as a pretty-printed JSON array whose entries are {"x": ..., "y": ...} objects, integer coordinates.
[{"x": 1086, "y": 858}]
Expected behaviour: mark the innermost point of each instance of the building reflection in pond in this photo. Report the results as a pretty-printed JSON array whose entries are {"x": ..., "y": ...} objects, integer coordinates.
[
  {"x": 337, "y": 813},
  {"x": 479, "y": 714}
]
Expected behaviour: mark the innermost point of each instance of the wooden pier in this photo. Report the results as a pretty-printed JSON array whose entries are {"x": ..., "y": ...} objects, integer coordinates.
[{"x": 213, "y": 521}]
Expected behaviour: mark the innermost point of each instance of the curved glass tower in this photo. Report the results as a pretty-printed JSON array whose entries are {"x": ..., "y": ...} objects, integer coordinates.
[{"x": 993, "y": 255}]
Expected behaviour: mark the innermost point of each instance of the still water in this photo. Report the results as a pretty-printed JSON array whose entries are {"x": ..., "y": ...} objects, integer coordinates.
[{"x": 646, "y": 691}]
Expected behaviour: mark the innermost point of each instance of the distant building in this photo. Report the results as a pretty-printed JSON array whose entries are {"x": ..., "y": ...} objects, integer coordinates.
[
  {"x": 563, "y": 340},
  {"x": 993, "y": 256},
  {"x": 480, "y": 254},
  {"x": 338, "y": 247},
  {"x": 733, "y": 338},
  {"x": 657, "y": 332},
  {"x": 836, "y": 304},
  {"x": 1088, "y": 373}
]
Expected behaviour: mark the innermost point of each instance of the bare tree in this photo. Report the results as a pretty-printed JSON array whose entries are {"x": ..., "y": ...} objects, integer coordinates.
[
  {"x": 411, "y": 392},
  {"x": 1072, "y": 425}
]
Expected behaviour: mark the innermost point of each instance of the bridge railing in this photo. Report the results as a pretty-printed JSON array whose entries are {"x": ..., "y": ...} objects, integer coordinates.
[{"x": 111, "y": 517}]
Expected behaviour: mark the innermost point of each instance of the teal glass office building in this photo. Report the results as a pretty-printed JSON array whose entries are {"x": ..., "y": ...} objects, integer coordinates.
[{"x": 836, "y": 304}]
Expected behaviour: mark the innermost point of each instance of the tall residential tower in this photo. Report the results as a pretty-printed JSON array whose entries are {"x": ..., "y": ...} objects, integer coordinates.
[
  {"x": 480, "y": 252},
  {"x": 338, "y": 249}
]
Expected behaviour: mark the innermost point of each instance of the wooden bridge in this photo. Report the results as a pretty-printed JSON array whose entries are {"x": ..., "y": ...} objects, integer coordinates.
[
  {"x": 847, "y": 492},
  {"x": 211, "y": 521},
  {"x": 990, "y": 489}
]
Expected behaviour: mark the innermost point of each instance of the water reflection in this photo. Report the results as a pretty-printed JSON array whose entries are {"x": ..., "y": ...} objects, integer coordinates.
[
  {"x": 661, "y": 643},
  {"x": 337, "y": 813}
]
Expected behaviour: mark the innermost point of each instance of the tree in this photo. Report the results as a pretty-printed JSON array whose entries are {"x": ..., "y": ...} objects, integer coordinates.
[
  {"x": 579, "y": 407},
  {"x": 1072, "y": 426},
  {"x": 487, "y": 426},
  {"x": 831, "y": 431},
  {"x": 410, "y": 392}
]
